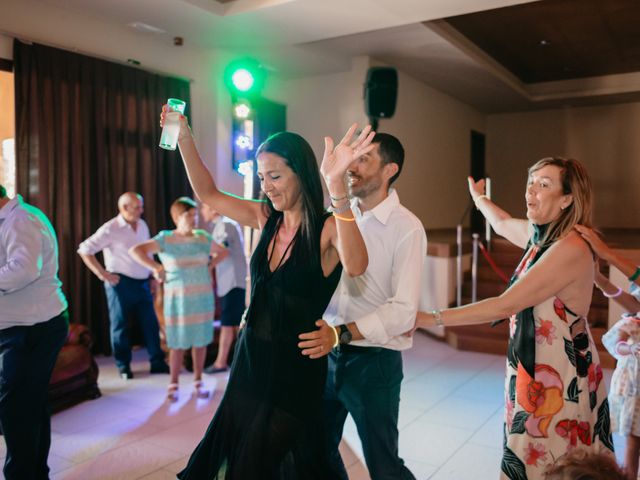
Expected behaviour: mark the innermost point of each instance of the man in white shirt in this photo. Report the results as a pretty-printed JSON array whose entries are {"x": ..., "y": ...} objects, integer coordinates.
[
  {"x": 126, "y": 282},
  {"x": 231, "y": 279},
  {"x": 33, "y": 327},
  {"x": 370, "y": 314}
]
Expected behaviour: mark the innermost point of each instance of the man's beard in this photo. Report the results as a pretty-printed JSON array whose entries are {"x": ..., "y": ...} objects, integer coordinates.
[{"x": 364, "y": 188}]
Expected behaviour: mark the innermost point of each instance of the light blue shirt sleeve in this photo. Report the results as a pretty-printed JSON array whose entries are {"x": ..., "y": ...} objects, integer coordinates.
[
  {"x": 96, "y": 242},
  {"x": 24, "y": 255}
]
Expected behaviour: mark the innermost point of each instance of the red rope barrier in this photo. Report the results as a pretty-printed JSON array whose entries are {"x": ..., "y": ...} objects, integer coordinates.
[{"x": 492, "y": 263}]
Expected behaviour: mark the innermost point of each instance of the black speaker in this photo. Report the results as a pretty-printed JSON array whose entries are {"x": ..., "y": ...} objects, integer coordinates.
[{"x": 381, "y": 92}]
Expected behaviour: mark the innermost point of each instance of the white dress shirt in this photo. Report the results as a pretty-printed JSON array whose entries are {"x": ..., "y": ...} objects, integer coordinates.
[
  {"x": 232, "y": 271},
  {"x": 114, "y": 239},
  {"x": 30, "y": 290},
  {"x": 383, "y": 302}
]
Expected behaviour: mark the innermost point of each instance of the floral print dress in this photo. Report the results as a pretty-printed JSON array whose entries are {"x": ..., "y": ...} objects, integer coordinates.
[{"x": 558, "y": 401}]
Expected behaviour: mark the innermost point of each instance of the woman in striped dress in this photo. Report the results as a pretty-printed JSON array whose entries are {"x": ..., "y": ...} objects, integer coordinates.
[{"x": 188, "y": 293}]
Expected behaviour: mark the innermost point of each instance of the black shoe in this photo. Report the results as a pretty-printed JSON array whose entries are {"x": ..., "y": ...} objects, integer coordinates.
[
  {"x": 126, "y": 373},
  {"x": 160, "y": 368}
]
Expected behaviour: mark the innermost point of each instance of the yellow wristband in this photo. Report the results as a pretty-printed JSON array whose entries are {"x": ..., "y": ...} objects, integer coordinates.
[
  {"x": 335, "y": 334},
  {"x": 344, "y": 219},
  {"x": 480, "y": 197}
]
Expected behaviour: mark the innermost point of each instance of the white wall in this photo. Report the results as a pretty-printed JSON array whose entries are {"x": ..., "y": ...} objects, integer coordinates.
[
  {"x": 433, "y": 127},
  {"x": 604, "y": 138},
  {"x": 435, "y": 130}
]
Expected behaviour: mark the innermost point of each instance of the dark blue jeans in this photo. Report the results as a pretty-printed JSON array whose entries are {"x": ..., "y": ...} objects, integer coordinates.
[
  {"x": 27, "y": 357},
  {"x": 132, "y": 297},
  {"x": 365, "y": 382}
]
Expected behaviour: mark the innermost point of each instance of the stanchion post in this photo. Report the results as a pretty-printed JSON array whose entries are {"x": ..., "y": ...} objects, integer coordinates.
[
  {"x": 474, "y": 268},
  {"x": 459, "y": 266},
  {"x": 487, "y": 225}
]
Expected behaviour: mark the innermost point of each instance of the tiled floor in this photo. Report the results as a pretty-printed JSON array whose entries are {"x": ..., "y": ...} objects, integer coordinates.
[{"x": 450, "y": 421}]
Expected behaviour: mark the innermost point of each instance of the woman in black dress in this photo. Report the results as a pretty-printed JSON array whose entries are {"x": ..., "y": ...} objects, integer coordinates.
[{"x": 269, "y": 424}]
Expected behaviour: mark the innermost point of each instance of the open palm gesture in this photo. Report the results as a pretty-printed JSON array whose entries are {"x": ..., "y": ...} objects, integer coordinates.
[{"x": 336, "y": 160}]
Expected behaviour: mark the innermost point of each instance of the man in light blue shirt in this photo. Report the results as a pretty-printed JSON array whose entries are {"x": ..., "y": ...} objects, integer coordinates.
[
  {"x": 33, "y": 327},
  {"x": 126, "y": 283}
]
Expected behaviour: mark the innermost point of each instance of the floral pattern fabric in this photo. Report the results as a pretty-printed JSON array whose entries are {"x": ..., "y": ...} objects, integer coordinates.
[{"x": 561, "y": 406}]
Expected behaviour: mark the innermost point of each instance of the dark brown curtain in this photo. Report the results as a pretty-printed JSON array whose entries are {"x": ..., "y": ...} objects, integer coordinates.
[{"x": 87, "y": 130}]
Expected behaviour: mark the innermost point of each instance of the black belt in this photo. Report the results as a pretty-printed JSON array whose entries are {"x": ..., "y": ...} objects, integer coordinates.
[
  {"x": 359, "y": 350},
  {"x": 131, "y": 278}
]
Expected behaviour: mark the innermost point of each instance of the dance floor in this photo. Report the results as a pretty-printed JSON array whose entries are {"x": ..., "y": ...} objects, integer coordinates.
[{"x": 450, "y": 421}]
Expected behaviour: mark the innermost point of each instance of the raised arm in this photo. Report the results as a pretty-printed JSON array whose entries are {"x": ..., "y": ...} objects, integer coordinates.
[
  {"x": 244, "y": 211},
  {"x": 624, "y": 299},
  {"x": 563, "y": 265},
  {"x": 626, "y": 266},
  {"x": 606, "y": 253},
  {"x": 143, "y": 254},
  {"x": 345, "y": 237},
  {"x": 513, "y": 229}
]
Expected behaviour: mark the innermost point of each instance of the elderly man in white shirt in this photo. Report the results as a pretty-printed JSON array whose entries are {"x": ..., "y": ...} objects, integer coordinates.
[
  {"x": 126, "y": 282},
  {"x": 33, "y": 327},
  {"x": 369, "y": 314}
]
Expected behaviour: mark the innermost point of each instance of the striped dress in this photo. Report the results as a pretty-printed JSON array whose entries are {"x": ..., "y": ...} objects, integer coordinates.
[{"x": 188, "y": 293}]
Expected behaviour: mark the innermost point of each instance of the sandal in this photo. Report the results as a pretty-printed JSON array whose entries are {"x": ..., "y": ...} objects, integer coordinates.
[
  {"x": 172, "y": 392},
  {"x": 199, "y": 391}
]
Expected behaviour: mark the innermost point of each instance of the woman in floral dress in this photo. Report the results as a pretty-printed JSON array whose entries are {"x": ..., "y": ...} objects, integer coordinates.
[
  {"x": 554, "y": 395},
  {"x": 188, "y": 294}
]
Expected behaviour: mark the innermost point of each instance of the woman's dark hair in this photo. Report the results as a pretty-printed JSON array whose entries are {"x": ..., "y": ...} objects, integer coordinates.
[
  {"x": 391, "y": 151},
  {"x": 299, "y": 157}
]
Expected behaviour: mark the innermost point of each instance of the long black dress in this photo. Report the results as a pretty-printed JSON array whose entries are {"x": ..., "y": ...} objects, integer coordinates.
[{"x": 269, "y": 424}]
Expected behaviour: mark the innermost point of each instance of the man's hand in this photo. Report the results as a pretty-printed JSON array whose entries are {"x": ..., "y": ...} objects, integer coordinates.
[
  {"x": 111, "y": 278},
  {"x": 320, "y": 342},
  {"x": 336, "y": 160}
]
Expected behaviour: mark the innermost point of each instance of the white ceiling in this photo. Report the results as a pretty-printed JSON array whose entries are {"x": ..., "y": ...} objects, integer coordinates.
[
  {"x": 296, "y": 38},
  {"x": 268, "y": 23}
]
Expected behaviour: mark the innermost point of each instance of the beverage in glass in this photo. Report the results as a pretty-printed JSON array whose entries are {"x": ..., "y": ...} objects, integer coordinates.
[{"x": 171, "y": 128}]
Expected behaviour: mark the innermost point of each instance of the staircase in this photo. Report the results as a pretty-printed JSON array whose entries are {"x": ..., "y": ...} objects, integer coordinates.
[{"x": 487, "y": 339}]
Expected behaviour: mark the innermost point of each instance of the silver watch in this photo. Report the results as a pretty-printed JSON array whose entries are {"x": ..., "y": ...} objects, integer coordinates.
[{"x": 342, "y": 209}]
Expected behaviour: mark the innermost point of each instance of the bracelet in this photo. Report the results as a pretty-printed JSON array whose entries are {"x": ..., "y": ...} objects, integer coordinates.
[
  {"x": 437, "y": 317},
  {"x": 344, "y": 219},
  {"x": 619, "y": 351},
  {"x": 480, "y": 197},
  {"x": 335, "y": 334},
  {"x": 337, "y": 199},
  {"x": 344, "y": 208},
  {"x": 613, "y": 295},
  {"x": 635, "y": 276}
]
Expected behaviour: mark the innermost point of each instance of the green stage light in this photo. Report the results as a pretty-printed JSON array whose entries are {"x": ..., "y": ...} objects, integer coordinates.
[{"x": 244, "y": 77}]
